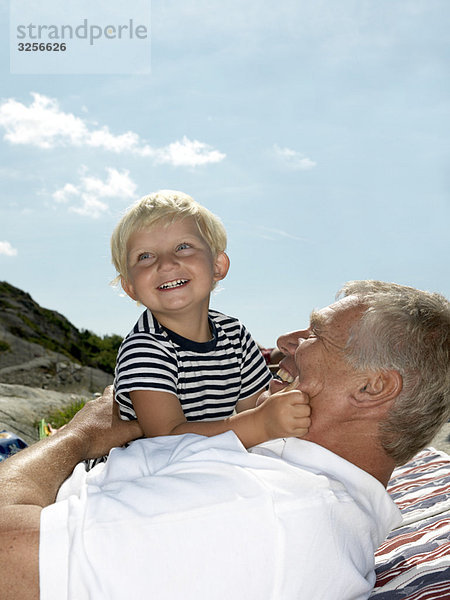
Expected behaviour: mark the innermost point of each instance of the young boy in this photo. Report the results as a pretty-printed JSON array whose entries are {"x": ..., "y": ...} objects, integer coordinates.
[{"x": 185, "y": 368}]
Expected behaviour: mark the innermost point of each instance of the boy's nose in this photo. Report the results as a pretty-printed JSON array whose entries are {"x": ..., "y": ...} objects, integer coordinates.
[{"x": 167, "y": 261}]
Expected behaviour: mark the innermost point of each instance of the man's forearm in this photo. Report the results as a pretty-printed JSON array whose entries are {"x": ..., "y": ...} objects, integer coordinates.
[
  {"x": 34, "y": 475},
  {"x": 30, "y": 480}
]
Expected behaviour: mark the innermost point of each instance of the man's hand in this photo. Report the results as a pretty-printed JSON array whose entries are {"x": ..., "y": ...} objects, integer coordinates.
[
  {"x": 285, "y": 413},
  {"x": 100, "y": 428},
  {"x": 33, "y": 475}
]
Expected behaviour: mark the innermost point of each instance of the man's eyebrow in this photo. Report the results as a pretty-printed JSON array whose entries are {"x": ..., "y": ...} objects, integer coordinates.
[
  {"x": 316, "y": 320},
  {"x": 317, "y": 323}
]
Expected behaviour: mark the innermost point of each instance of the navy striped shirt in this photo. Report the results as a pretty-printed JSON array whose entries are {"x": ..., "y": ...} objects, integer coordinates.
[{"x": 208, "y": 378}]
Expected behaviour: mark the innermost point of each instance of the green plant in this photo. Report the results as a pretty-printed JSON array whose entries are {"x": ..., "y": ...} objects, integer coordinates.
[
  {"x": 4, "y": 346},
  {"x": 4, "y": 304},
  {"x": 58, "y": 418},
  {"x": 96, "y": 351}
]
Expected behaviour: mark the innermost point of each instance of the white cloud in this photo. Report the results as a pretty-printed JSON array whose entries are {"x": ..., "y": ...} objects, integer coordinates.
[
  {"x": 188, "y": 153},
  {"x": 7, "y": 249},
  {"x": 261, "y": 231},
  {"x": 272, "y": 234},
  {"x": 91, "y": 207},
  {"x": 64, "y": 194},
  {"x": 87, "y": 198},
  {"x": 43, "y": 124},
  {"x": 293, "y": 159}
]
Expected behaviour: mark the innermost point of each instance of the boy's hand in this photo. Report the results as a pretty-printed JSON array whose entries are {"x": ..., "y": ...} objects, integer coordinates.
[{"x": 285, "y": 413}]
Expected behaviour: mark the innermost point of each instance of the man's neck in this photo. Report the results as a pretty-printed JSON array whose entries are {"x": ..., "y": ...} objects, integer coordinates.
[{"x": 361, "y": 449}]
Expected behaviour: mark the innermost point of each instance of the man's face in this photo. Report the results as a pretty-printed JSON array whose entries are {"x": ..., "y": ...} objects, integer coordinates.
[{"x": 316, "y": 356}]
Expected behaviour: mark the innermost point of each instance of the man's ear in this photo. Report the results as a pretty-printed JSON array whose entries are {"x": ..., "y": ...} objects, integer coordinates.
[
  {"x": 127, "y": 288},
  {"x": 379, "y": 387},
  {"x": 221, "y": 266}
]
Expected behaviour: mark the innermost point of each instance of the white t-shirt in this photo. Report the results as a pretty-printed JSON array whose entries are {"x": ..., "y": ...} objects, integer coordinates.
[{"x": 196, "y": 518}]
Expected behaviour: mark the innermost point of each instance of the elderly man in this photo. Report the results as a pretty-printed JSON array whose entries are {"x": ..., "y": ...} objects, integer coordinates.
[{"x": 194, "y": 517}]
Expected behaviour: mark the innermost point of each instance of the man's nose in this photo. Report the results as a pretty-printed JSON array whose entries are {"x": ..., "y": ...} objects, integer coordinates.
[{"x": 288, "y": 343}]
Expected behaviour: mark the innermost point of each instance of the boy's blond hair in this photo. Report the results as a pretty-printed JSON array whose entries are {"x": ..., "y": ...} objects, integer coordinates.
[{"x": 164, "y": 206}]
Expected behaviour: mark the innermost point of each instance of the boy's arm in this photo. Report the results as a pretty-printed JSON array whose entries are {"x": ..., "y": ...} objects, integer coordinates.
[
  {"x": 248, "y": 402},
  {"x": 284, "y": 414}
]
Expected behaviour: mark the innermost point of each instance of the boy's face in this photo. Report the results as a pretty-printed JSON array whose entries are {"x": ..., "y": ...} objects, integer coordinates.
[{"x": 171, "y": 268}]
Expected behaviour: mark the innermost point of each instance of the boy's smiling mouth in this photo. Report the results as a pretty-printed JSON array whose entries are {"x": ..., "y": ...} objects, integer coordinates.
[{"x": 170, "y": 285}]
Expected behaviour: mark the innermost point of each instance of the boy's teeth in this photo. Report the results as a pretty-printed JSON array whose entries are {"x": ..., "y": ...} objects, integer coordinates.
[
  {"x": 284, "y": 375},
  {"x": 172, "y": 284}
]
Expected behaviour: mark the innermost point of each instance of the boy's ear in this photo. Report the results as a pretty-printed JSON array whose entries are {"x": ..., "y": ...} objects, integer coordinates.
[
  {"x": 379, "y": 387},
  {"x": 127, "y": 288},
  {"x": 221, "y": 266}
]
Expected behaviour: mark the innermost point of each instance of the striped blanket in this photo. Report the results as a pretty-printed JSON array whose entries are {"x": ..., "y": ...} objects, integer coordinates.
[{"x": 414, "y": 562}]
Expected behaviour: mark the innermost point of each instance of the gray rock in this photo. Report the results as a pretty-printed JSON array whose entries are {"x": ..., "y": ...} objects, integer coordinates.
[
  {"x": 21, "y": 407},
  {"x": 42, "y": 349},
  {"x": 46, "y": 371}
]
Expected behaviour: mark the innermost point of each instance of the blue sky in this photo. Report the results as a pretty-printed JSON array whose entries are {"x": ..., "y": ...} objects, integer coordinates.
[{"x": 318, "y": 132}]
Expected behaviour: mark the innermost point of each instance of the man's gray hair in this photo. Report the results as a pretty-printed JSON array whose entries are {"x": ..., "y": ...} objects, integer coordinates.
[{"x": 407, "y": 330}]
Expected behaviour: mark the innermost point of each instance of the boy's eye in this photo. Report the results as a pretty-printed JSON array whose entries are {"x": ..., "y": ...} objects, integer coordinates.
[
  {"x": 144, "y": 255},
  {"x": 183, "y": 246}
]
